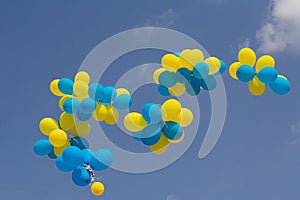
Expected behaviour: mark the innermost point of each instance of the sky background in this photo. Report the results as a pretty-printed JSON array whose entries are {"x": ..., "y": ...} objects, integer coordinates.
[{"x": 258, "y": 154}]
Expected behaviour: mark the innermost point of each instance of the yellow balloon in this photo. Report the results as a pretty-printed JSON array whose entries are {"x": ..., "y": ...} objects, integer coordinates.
[
  {"x": 170, "y": 109},
  {"x": 81, "y": 129},
  {"x": 97, "y": 188},
  {"x": 178, "y": 140},
  {"x": 121, "y": 91},
  {"x": 100, "y": 113},
  {"x": 214, "y": 65},
  {"x": 58, "y": 150},
  {"x": 265, "y": 61},
  {"x": 134, "y": 122},
  {"x": 186, "y": 117},
  {"x": 233, "y": 68},
  {"x": 189, "y": 58},
  {"x": 157, "y": 73},
  {"x": 58, "y": 138},
  {"x": 256, "y": 87},
  {"x": 62, "y": 100},
  {"x": 247, "y": 56},
  {"x": 177, "y": 90},
  {"x": 47, "y": 125},
  {"x": 82, "y": 76},
  {"x": 161, "y": 146},
  {"x": 170, "y": 62},
  {"x": 81, "y": 88},
  {"x": 66, "y": 121},
  {"x": 54, "y": 88},
  {"x": 112, "y": 116}
]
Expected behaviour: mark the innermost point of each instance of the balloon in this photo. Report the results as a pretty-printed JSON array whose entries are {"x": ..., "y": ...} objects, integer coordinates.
[
  {"x": 157, "y": 73},
  {"x": 233, "y": 68},
  {"x": 62, "y": 100},
  {"x": 267, "y": 75},
  {"x": 71, "y": 105},
  {"x": 54, "y": 88},
  {"x": 100, "y": 113},
  {"x": 81, "y": 129},
  {"x": 247, "y": 56},
  {"x": 81, "y": 176},
  {"x": 193, "y": 87},
  {"x": 167, "y": 79},
  {"x": 177, "y": 141},
  {"x": 281, "y": 86},
  {"x": 256, "y": 87},
  {"x": 183, "y": 75},
  {"x": 122, "y": 102},
  {"x": 52, "y": 155},
  {"x": 186, "y": 117},
  {"x": 172, "y": 130},
  {"x": 80, "y": 142},
  {"x": 245, "y": 73},
  {"x": 109, "y": 94},
  {"x": 82, "y": 116},
  {"x": 102, "y": 160},
  {"x": 121, "y": 91},
  {"x": 152, "y": 113},
  {"x": 65, "y": 85},
  {"x": 151, "y": 134},
  {"x": 87, "y": 106},
  {"x": 87, "y": 156},
  {"x": 42, "y": 147},
  {"x": 177, "y": 90},
  {"x": 58, "y": 138},
  {"x": 134, "y": 122},
  {"x": 47, "y": 125},
  {"x": 96, "y": 91},
  {"x": 72, "y": 156},
  {"x": 58, "y": 150},
  {"x": 112, "y": 115},
  {"x": 189, "y": 58},
  {"x": 214, "y": 65},
  {"x": 161, "y": 146},
  {"x": 170, "y": 109},
  {"x": 82, "y": 76},
  {"x": 164, "y": 91},
  {"x": 62, "y": 166},
  {"x": 264, "y": 61},
  {"x": 80, "y": 88},
  {"x": 209, "y": 83},
  {"x": 223, "y": 67},
  {"x": 201, "y": 70},
  {"x": 66, "y": 121},
  {"x": 170, "y": 62},
  {"x": 97, "y": 188}
]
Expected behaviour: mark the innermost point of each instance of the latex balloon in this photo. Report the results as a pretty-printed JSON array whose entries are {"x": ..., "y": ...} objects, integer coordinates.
[
  {"x": 189, "y": 58},
  {"x": 179, "y": 140},
  {"x": 102, "y": 160},
  {"x": 201, "y": 70},
  {"x": 87, "y": 106},
  {"x": 100, "y": 113},
  {"x": 245, "y": 73},
  {"x": 62, "y": 166},
  {"x": 223, "y": 67},
  {"x": 247, "y": 56},
  {"x": 121, "y": 91},
  {"x": 58, "y": 138},
  {"x": 82, "y": 76},
  {"x": 214, "y": 65},
  {"x": 80, "y": 142},
  {"x": 172, "y": 130},
  {"x": 71, "y": 105},
  {"x": 209, "y": 83},
  {"x": 281, "y": 86},
  {"x": 96, "y": 91},
  {"x": 65, "y": 85},
  {"x": 66, "y": 121},
  {"x": 164, "y": 91},
  {"x": 112, "y": 115},
  {"x": 54, "y": 88},
  {"x": 87, "y": 156},
  {"x": 170, "y": 109},
  {"x": 152, "y": 113},
  {"x": 81, "y": 177},
  {"x": 109, "y": 94},
  {"x": 42, "y": 147},
  {"x": 177, "y": 90},
  {"x": 167, "y": 79},
  {"x": 134, "y": 122},
  {"x": 264, "y": 61},
  {"x": 73, "y": 156},
  {"x": 233, "y": 68},
  {"x": 151, "y": 134},
  {"x": 170, "y": 62},
  {"x": 186, "y": 116},
  {"x": 80, "y": 89},
  {"x": 161, "y": 146},
  {"x": 193, "y": 87},
  {"x": 47, "y": 125},
  {"x": 157, "y": 73},
  {"x": 256, "y": 87},
  {"x": 122, "y": 102},
  {"x": 58, "y": 150},
  {"x": 183, "y": 75},
  {"x": 97, "y": 188},
  {"x": 62, "y": 100},
  {"x": 267, "y": 75},
  {"x": 82, "y": 116}
]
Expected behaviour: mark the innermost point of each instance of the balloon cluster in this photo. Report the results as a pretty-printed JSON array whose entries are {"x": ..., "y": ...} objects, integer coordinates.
[
  {"x": 158, "y": 126},
  {"x": 259, "y": 77},
  {"x": 187, "y": 71}
]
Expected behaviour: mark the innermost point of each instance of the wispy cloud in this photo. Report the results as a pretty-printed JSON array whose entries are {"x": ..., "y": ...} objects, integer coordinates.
[
  {"x": 281, "y": 29},
  {"x": 244, "y": 43},
  {"x": 166, "y": 19},
  {"x": 171, "y": 197},
  {"x": 295, "y": 137}
]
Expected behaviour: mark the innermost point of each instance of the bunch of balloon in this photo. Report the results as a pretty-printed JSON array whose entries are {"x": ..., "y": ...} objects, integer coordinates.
[
  {"x": 187, "y": 71},
  {"x": 158, "y": 126},
  {"x": 258, "y": 74}
]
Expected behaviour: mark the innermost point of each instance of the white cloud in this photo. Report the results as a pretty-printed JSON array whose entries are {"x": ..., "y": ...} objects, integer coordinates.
[
  {"x": 171, "y": 197},
  {"x": 166, "y": 19},
  {"x": 295, "y": 137},
  {"x": 281, "y": 30}
]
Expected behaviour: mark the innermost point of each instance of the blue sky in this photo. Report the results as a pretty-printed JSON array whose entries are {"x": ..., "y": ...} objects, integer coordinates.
[{"x": 257, "y": 156}]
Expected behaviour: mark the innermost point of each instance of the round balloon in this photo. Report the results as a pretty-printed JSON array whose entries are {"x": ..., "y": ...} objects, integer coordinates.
[
  {"x": 265, "y": 61},
  {"x": 62, "y": 166},
  {"x": 152, "y": 113},
  {"x": 109, "y": 94},
  {"x": 82, "y": 76},
  {"x": 167, "y": 79},
  {"x": 170, "y": 109},
  {"x": 96, "y": 91},
  {"x": 214, "y": 65},
  {"x": 81, "y": 177},
  {"x": 102, "y": 160},
  {"x": 161, "y": 146},
  {"x": 112, "y": 116},
  {"x": 65, "y": 85},
  {"x": 172, "y": 130},
  {"x": 66, "y": 121},
  {"x": 209, "y": 83},
  {"x": 201, "y": 70},
  {"x": 54, "y": 88},
  {"x": 97, "y": 188},
  {"x": 245, "y": 73},
  {"x": 247, "y": 56},
  {"x": 42, "y": 147},
  {"x": 100, "y": 113},
  {"x": 71, "y": 105},
  {"x": 73, "y": 156},
  {"x": 58, "y": 138},
  {"x": 170, "y": 62},
  {"x": 267, "y": 75},
  {"x": 256, "y": 87},
  {"x": 157, "y": 73},
  {"x": 134, "y": 122},
  {"x": 122, "y": 102},
  {"x": 233, "y": 68},
  {"x": 87, "y": 106},
  {"x": 151, "y": 134},
  {"x": 47, "y": 125},
  {"x": 281, "y": 86},
  {"x": 164, "y": 91}
]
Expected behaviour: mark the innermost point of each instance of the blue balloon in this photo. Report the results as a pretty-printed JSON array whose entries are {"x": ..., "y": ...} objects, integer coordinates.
[
  {"x": 87, "y": 106},
  {"x": 52, "y": 155},
  {"x": 72, "y": 156},
  {"x": 82, "y": 116},
  {"x": 87, "y": 156},
  {"x": 281, "y": 86},
  {"x": 267, "y": 75},
  {"x": 122, "y": 102},
  {"x": 102, "y": 160},
  {"x": 152, "y": 113},
  {"x": 71, "y": 105},
  {"x": 201, "y": 70},
  {"x": 209, "y": 83},
  {"x": 62, "y": 166},
  {"x": 222, "y": 68},
  {"x": 164, "y": 91},
  {"x": 137, "y": 136},
  {"x": 172, "y": 130},
  {"x": 80, "y": 142},
  {"x": 109, "y": 94},
  {"x": 65, "y": 85},
  {"x": 245, "y": 73},
  {"x": 183, "y": 75},
  {"x": 96, "y": 91},
  {"x": 167, "y": 79},
  {"x": 151, "y": 134},
  {"x": 193, "y": 87},
  {"x": 81, "y": 177},
  {"x": 42, "y": 147},
  {"x": 177, "y": 54}
]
